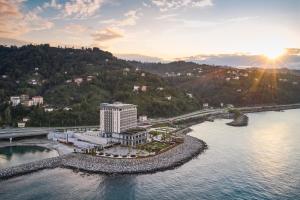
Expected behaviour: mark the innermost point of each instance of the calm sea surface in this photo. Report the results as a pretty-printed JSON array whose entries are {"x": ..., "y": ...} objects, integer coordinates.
[
  {"x": 261, "y": 161},
  {"x": 15, "y": 155}
]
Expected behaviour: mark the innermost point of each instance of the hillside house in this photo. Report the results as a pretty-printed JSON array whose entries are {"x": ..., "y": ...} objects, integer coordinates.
[
  {"x": 15, "y": 100},
  {"x": 38, "y": 100},
  {"x": 136, "y": 88},
  {"x": 144, "y": 88}
]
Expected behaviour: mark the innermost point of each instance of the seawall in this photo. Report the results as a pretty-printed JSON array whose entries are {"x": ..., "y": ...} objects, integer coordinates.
[{"x": 170, "y": 159}]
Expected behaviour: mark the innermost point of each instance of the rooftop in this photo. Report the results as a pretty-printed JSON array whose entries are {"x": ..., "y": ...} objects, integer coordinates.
[
  {"x": 134, "y": 131},
  {"x": 116, "y": 105}
]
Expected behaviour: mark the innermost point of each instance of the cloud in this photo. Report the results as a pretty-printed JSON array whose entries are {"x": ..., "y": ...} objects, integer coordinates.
[
  {"x": 33, "y": 22},
  {"x": 165, "y": 5},
  {"x": 290, "y": 60},
  {"x": 168, "y": 16},
  {"x": 13, "y": 22},
  {"x": 52, "y": 4},
  {"x": 10, "y": 8},
  {"x": 107, "y": 34},
  {"x": 75, "y": 29},
  {"x": 130, "y": 19},
  {"x": 82, "y": 8}
]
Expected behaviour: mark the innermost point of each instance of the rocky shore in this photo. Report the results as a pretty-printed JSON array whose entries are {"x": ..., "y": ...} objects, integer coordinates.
[
  {"x": 241, "y": 120},
  {"x": 172, "y": 158}
]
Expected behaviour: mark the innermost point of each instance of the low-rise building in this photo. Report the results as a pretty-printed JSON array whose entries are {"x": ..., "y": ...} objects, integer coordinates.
[
  {"x": 49, "y": 109},
  {"x": 169, "y": 98},
  {"x": 21, "y": 124},
  {"x": 28, "y": 103},
  {"x": 143, "y": 118},
  {"x": 189, "y": 95},
  {"x": 78, "y": 81},
  {"x": 25, "y": 119},
  {"x": 205, "y": 105},
  {"x": 24, "y": 97},
  {"x": 136, "y": 88},
  {"x": 67, "y": 108},
  {"x": 131, "y": 137},
  {"x": 144, "y": 88},
  {"x": 37, "y": 100},
  {"x": 90, "y": 78},
  {"x": 15, "y": 100}
]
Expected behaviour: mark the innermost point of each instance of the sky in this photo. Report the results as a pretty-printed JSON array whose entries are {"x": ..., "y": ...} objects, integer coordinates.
[{"x": 164, "y": 29}]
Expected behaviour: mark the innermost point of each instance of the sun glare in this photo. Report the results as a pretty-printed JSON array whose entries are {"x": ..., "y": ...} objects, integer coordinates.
[{"x": 274, "y": 54}]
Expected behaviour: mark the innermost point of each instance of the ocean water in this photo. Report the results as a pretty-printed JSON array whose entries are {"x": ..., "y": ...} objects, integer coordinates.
[
  {"x": 15, "y": 155},
  {"x": 260, "y": 161}
]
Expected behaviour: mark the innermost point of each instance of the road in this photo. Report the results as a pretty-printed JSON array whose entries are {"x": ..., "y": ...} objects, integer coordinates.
[{"x": 30, "y": 132}]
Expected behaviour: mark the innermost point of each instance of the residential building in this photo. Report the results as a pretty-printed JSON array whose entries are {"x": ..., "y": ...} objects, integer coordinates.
[
  {"x": 90, "y": 78},
  {"x": 25, "y": 119},
  {"x": 15, "y": 100},
  {"x": 189, "y": 95},
  {"x": 143, "y": 118},
  {"x": 78, "y": 81},
  {"x": 117, "y": 117},
  {"x": 144, "y": 88},
  {"x": 37, "y": 100},
  {"x": 49, "y": 109},
  {"x": 24, "y": 97},
  {"x": 169, "y": 98},
  {"x": 21, "y": 124},
  {"x": 136, "y": 88},
  {"x": 33, "y": 82},
  {"x": 67, "y": 108},
  {"x": 205, "y": 105},
  {"x": 28, "y": 103}
]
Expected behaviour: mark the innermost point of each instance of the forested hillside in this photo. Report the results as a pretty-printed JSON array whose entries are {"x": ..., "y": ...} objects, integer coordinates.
[
  {"x": 227, "y": 85},
  {"x": 80, "y": 79}
]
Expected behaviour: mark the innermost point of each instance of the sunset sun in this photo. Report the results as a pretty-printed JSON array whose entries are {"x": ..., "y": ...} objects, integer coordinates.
[{"x": 274, "y": 53}]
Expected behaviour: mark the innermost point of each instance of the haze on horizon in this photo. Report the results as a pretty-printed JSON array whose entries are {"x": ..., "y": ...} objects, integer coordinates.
[{"x": 197, "y": 30}]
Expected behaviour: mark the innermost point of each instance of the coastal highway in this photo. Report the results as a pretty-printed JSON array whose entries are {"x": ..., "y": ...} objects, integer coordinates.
[{"x": 31, "y": 132}]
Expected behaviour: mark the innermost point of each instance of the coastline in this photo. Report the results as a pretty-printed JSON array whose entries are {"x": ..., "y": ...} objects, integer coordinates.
[{"x": 170, "y": 159}]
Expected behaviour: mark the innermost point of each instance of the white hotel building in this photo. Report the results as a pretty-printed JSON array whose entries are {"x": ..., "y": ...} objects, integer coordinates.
[
  {"x": 117, "y": 117},
  {"x": 119, "y": 121}
]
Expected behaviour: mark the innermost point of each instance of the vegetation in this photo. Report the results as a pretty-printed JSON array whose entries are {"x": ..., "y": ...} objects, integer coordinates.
[
  {"x": 154, "y": 146},
  {"x": 55, "y": 69},
  {"x": 227, "y": 85}
]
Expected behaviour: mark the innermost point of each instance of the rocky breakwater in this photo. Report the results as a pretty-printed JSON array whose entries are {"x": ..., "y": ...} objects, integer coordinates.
[
  {"x": 169, "y": 159},
  {"x": 30, "y": 167},
  {"x": 241, "y": 120},
  {"x": 172, "y": 158}
]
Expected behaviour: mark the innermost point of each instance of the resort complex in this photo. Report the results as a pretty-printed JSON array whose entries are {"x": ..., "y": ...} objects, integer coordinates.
[{"x": 119, "y": 135}]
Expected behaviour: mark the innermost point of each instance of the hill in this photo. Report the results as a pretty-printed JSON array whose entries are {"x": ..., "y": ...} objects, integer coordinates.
[
  {"x": 227, "y": 85},
  {"x": 80, "y": 79}
]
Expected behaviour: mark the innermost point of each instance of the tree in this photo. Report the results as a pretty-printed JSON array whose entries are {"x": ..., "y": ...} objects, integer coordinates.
[{"x": 7, "y": 115}]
